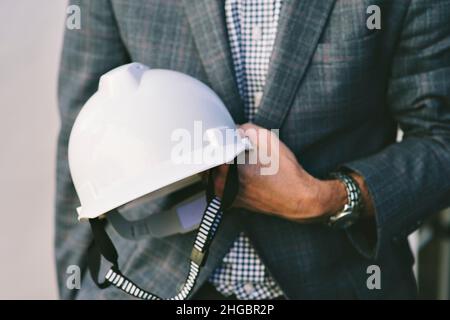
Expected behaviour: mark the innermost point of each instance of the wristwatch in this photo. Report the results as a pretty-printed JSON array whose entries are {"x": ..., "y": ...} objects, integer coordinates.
[{"x": 352, "y": 209}]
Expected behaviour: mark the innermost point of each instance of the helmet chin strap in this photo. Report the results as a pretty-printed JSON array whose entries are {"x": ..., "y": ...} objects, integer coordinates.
[{"x": 103, "y": 246}]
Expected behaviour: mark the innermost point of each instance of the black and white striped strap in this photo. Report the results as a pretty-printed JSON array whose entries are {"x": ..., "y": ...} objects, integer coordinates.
[{"x": 205, "y": 234}]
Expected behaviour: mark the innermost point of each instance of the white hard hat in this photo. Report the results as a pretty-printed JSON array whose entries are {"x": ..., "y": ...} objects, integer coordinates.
[
  {"x": 122, "y": 143},
  {"x": 125, "y": 145}
]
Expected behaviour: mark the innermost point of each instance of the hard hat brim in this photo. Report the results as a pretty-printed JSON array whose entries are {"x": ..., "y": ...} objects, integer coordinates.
[{"x": 152, "y": 180}]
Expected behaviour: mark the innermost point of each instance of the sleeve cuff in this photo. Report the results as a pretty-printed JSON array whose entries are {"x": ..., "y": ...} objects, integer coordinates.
[{"x": 385, "y": 192}]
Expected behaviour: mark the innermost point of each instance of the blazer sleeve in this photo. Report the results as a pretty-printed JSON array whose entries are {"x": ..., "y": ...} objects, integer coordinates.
[
  {"x": 410, "y": 180},
  {"x": 87, "y": 54}
]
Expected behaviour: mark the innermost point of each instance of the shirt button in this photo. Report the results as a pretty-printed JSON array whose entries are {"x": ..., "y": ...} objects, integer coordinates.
[
  {"x": 258, "y": 98},
  {"x": 248, "y": 288},
  {"x": 256, "y": 33}
]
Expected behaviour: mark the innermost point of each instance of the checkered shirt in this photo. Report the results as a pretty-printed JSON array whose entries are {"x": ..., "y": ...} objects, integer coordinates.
[{"x": 252, "y": 26}]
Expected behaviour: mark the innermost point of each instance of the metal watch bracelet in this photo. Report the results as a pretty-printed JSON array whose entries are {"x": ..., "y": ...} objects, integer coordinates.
[{"x": 352, "y": 209}]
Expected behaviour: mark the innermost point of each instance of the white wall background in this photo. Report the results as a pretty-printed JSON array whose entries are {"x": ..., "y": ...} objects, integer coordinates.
[{"x": 30, "y": 40}]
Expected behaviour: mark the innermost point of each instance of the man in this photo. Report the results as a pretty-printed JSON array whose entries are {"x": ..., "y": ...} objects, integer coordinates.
[{"x": 345, "y": 197}]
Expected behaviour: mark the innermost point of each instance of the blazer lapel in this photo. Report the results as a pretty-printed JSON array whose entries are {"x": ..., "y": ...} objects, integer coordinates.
[
  {"x": 300, "y": 26},
  {"x": 208, "y": 26}
]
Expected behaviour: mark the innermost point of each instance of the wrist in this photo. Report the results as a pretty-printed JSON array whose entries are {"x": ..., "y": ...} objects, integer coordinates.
[{"x": 332, "y": 197}]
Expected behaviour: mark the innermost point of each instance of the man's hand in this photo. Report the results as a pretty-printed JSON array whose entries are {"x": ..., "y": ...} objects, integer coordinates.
[{"x": 290, "y": 192}]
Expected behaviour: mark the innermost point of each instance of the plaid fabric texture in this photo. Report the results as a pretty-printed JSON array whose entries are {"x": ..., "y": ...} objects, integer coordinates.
[
  {"x": 336, "y": 90},
  {"x": 252, "y": 26}
]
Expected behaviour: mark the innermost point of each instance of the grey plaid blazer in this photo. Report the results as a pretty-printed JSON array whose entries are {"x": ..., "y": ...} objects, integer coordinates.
[{"x": 336, "y": 90}]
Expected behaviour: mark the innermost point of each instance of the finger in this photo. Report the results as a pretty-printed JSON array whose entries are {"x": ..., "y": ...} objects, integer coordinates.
[
  {"x": 222, "y": 170},
  {"x": 249, "y": 125},
  {"x": 251, "y": 132},
  {"x": 219, "y": 175}
]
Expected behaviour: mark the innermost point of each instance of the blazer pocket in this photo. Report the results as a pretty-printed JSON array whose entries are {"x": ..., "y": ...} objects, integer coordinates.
[{"x": 365, "y": 50}]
